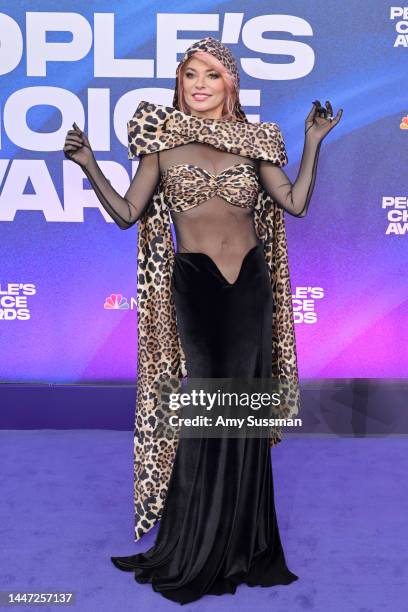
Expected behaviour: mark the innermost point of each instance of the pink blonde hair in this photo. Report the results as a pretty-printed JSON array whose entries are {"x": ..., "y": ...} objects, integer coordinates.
[{"x": 228, "y": 78}]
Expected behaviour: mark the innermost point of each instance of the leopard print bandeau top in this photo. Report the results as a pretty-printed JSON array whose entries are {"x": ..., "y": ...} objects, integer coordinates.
[{"x": 186, "y": 185}]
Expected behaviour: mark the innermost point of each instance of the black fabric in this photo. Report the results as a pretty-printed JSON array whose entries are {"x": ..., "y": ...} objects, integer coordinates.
[
  {"x": 125, "y": 211},
  {"x": 218, "y": 527}
]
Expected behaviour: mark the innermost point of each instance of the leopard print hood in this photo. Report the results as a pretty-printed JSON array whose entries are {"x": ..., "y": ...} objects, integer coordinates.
[
  {"x": 222, "y": 54},
  {"x": 161, "y": 362}
]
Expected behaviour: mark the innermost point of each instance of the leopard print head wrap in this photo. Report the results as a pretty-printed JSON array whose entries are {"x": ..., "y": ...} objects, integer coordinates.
[{"x": 221, "y": 53}]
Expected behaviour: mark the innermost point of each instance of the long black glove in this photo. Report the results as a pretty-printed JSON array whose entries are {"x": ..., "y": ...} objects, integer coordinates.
[
  {"x": 126, "y": 210},
  {"x": 295, "y": 197}
]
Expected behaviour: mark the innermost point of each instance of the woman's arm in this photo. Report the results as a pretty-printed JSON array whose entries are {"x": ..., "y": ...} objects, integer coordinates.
[
  {"x": 125, "y": 211},
  {"x": 293, "y": 197}
]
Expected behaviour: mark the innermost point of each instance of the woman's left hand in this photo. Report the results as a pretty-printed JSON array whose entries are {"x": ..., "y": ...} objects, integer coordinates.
[{"x": 320, "y": 121}]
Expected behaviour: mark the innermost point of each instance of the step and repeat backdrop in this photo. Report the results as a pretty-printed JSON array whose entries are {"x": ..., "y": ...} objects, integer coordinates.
[{"x": 68, "y": 273}]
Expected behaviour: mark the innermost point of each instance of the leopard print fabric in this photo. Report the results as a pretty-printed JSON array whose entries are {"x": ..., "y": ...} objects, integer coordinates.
[
  {"x": 161, "y": 361},
  {"x": 186, "y": 186},
  {"x": 155, "y": 127}
]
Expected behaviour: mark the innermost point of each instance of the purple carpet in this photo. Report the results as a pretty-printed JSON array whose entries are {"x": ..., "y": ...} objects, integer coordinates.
[{"x": 66, "y": 507}]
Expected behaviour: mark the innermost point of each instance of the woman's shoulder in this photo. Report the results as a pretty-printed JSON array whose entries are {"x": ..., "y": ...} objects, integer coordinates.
[{"x": 146, "y": 109}]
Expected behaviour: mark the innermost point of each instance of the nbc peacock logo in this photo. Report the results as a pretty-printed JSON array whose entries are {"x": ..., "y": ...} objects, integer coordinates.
[
  {"x": 116, "y": 301},
  {"x": 404, "y": 123}
]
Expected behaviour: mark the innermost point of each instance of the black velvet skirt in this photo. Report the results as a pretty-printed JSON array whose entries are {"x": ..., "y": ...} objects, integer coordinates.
[{"x": 218, "y": 526}]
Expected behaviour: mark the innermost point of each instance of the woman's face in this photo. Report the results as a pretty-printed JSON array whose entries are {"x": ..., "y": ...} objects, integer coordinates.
[{"x": 204, "y": 89}]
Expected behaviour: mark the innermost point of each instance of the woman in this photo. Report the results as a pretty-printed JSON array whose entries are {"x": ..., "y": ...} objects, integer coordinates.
[{"x": 219, "y": 307}]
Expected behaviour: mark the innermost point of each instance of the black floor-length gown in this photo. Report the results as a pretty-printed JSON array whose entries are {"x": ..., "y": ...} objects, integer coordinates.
[{"x": 218, "y": 527}]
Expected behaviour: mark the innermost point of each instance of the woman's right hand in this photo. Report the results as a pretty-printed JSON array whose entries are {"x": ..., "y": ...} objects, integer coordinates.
[{"x": 77, "y": 147}]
